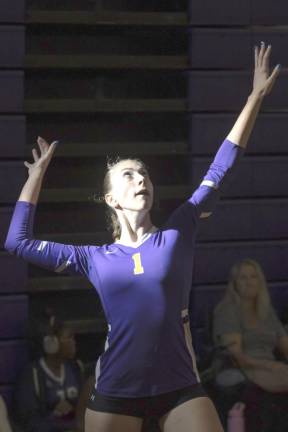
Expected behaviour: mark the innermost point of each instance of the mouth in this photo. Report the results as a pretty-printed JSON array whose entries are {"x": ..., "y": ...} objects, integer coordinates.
[{"x": 142, "y": 192}]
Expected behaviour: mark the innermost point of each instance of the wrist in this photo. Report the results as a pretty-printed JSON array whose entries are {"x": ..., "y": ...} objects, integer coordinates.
[
  {"x": 37, "y": 174},
  {"x": 256, "y": 96}
]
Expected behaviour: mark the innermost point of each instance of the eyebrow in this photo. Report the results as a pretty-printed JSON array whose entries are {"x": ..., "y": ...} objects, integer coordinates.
[{"x": 133, "y": 169}]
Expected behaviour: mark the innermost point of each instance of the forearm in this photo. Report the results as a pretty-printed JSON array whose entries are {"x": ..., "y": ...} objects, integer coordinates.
[
  {"x": 31, "y": 189},
  {"x": 218, "y": 176},
  {"x": 244, "y": 124},
  {"x": 245, "y": 361}
]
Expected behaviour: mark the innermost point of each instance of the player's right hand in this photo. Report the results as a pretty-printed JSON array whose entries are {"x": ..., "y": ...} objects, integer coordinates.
[{"x": 41, "y": 161}]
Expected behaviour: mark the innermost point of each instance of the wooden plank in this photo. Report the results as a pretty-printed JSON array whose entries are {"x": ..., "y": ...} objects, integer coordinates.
[
  {"x": 248, "y": 179},
  {"x": 206, "y": 131},
  {"x": 13, "y": 356},
  {"x": 227, "y": 91},
  {"x": 12, "y": 46},
  {"x": 13, "y": 316},
  {"x": 232, "y": 48},
  {"x": 100, "y": 62},
  {"x": 134, "y": 148},
  {"x": 11, "y": 91},
  {"x": 133, "y": 132},
  {"x": 87, "y": 326},
  {"x": 107, "y": 18},
  {"x": 56, "y": 284},
  {"x": 230, "y": 13},
  {"x": 208, "y": 91},
  {"x": 13, "y": 131},
  {"x": 218, "y": 48},
  {"x": 117, "y": 89},
  {"x": 103, "y": 105},
  {"x": 257, "y": 219},
  {"x": 263, "y": 13},
  {"x": 13, "y": 275},
  {"x": 12, "y": 12},
  {"x": 214, "y": 260},
  {"x": 12, "y": 176}
]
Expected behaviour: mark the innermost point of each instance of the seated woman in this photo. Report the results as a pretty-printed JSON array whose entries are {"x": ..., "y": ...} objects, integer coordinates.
[
  {"x": 246, "y": 323},
  {"x": 47, "y": 392}
]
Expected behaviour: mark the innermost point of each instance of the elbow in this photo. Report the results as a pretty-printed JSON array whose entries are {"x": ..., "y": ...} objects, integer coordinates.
[{"x": 12, "y": 244}]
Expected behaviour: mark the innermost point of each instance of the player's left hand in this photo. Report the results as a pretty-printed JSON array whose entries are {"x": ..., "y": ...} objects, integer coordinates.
[
  {"x": 263, "y": 80},
  {"x": 62, "y": 408}
]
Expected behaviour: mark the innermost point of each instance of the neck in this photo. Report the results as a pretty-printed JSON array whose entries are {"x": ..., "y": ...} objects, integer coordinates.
[
  {"x": 134, "y": 226},
  {"x": 248, "y": 305},
  {"x": 54, "y": 363}
]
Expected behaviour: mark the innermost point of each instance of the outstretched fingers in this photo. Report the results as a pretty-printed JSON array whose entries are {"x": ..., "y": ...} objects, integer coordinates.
[
  {"x": 262, "y": 56},
  {"x": 256, "y": 53},
  {"x": 42, "y": 145},
  {"x": 27, "y": 164},
  {"x": 35, "y": 155},
  {"x": 271, "y": 80},
  {"x": 266, "y": 57},
  {"x": 45, "y": 148},
  {"x": 46, "y": 153}
]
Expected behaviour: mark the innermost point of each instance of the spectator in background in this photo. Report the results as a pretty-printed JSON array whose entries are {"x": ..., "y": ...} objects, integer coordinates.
[
  {"x": 47, "y": 392},
  {"x": 4, "y": 421},
  {"x": 246, "y": 323}
]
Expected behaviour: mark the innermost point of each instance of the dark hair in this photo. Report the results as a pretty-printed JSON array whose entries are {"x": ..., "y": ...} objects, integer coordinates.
[
  {"x": 112, "y": 218},
  {"x": 40, "y": 325}
]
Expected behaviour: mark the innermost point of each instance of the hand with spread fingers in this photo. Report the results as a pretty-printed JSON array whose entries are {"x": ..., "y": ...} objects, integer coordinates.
[
  {"x": 41, "y": 161},
  {"x": 263, "y": 80}
]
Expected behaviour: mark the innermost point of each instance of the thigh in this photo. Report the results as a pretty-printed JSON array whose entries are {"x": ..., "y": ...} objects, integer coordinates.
[
  {"x": 194, "y": 415},
  {"x": 108, "y": 422}
]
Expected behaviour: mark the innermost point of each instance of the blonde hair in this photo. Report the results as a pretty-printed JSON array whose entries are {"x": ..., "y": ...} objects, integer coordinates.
[
  {"x": 113, "y": 223},
  {"x": 231, "y": 296}
]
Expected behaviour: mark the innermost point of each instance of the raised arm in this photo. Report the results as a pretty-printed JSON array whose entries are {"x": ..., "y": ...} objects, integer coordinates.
[
  {"x": 36, "y": 171},
  {"x": 20, "y": 239},
  {"x": 229, "y": 153},
  {"x": 262, "y": 85}
]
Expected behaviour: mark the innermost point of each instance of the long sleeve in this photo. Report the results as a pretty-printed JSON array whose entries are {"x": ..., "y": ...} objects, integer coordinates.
[
  {"x": 203, "y": 200},
  {"x": 218, "y": 176},
  {"x": 53, "y": 256}
]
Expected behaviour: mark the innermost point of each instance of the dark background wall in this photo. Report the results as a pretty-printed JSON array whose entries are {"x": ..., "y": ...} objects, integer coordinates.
[{"x": 129, "y": 78}]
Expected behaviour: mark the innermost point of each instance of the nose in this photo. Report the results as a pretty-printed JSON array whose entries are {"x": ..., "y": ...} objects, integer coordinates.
[{"x": 140, "y": 178}]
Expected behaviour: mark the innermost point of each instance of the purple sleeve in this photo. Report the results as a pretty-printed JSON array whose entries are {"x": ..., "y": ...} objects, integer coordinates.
[
  {"x": 53, "y": 256},
  {"x": 218, "y": 176},
  {"x": 205, "y": 197}
]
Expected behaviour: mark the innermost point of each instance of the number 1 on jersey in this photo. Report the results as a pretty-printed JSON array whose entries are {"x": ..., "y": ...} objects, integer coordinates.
[{"x": 138, "y": 269}]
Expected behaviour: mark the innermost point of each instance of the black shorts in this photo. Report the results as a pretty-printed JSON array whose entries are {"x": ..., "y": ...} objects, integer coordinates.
[{"x": 152, "y": 406}]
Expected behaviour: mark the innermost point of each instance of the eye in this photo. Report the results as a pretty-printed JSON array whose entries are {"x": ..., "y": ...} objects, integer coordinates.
[{"x": 127, "y": 173}]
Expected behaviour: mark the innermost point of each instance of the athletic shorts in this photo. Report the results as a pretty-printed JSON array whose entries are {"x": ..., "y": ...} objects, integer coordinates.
[{"x": 152, "y": 406}]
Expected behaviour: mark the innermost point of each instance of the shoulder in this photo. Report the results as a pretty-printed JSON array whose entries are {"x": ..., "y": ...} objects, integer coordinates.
[
  {"x": 227, "y": 317},
  {"x": 226, "y": 308}
]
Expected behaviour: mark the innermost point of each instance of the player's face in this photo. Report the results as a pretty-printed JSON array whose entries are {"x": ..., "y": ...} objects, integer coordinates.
[
  {"x": 67, "y": 343},
  {"x": 247, "y": 283},
  {"x": 132, "y": 188}
]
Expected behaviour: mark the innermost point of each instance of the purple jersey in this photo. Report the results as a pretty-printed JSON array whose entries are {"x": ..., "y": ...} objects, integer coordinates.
[{"x": 144, "y": 290}]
